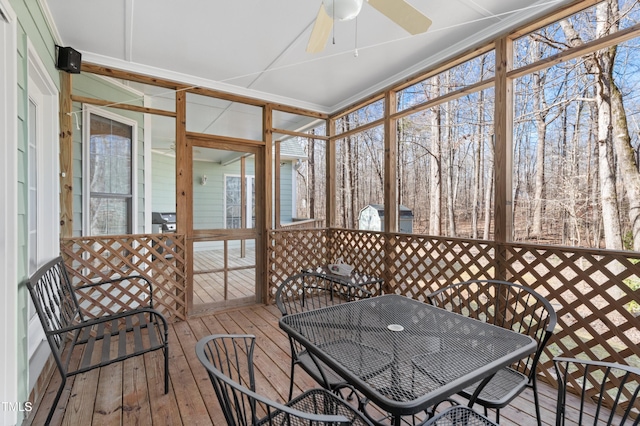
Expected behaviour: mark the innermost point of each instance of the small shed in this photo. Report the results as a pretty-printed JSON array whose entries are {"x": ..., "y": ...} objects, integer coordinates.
[{"x": 371, "y": 218}]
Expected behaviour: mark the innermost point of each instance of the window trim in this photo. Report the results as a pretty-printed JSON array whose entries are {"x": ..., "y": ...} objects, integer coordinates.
[
  {"x": 42, "y": 91},
  {"x": 87, "y": 110}
]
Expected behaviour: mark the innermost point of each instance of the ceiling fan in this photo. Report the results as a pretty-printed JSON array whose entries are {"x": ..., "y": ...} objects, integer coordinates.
[{"x": 399, "y": 11}]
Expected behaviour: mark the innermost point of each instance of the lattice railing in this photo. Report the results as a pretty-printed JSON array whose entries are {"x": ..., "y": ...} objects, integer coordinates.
[
  {"x": 596, "y": 293},
  {"x": 158, "y": 257},
  {"x": 293, "y": 250}
]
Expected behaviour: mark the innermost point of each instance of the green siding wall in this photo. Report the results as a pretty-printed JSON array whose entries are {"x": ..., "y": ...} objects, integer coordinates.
[
  {"x": 163, "y": 183},
  {"x": 286, "y": 196}
]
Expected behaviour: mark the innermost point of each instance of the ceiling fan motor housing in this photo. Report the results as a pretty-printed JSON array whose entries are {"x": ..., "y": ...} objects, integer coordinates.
[{"x": 343, "y": 10}]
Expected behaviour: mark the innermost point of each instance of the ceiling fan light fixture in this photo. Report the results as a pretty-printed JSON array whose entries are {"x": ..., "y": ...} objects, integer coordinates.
[{"x": 342, "y": 10}]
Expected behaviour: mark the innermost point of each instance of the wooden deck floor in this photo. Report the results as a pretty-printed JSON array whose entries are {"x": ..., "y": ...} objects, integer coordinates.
[
  {"x": 209, "y": 287},
  {"x": 131, "y": 392}
]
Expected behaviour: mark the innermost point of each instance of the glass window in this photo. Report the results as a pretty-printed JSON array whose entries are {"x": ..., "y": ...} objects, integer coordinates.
[
  {"x": 233, "y": 202},
  {"x": 110, "y": 176}
]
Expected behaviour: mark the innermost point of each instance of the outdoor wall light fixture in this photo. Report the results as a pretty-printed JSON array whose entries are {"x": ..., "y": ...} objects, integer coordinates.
[{"x": 203, "y": 180}]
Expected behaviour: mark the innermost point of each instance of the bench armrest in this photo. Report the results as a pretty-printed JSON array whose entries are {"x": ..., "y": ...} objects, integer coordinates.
[{"x": 89, "y": 323}]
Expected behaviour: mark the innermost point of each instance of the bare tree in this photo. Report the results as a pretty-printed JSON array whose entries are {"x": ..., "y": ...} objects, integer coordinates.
[
  {"x": 435, "y": 192},
  {"x": 540, "y": 114},
  {"x": 601, "y": 64}
]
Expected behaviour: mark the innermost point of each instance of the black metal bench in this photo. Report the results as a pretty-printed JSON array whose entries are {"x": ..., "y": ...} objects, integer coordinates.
[{"x": 102, "y": 340}]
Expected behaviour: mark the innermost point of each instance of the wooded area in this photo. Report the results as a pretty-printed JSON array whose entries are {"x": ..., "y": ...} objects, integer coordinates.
[{"x": 575, "y": 140}]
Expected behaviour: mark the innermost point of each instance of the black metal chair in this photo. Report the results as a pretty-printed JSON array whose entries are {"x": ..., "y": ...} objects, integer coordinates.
[
  {"x": 612, "y": 388},
  {"x": 103, "y": 340},
  {"x": 459, "y": 415},
  {"x": 305, "y": 292},
  {"x": 229, "y": 362},
  {"x": 510, "y": 306}
]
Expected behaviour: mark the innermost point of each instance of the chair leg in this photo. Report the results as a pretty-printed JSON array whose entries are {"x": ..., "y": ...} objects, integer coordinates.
[
  {"x": 293, "y": 365},
  {"x": 55, "y": 401},
  {"x": 166, "y": 368},
  {"x": 498, "y": 415},
  {"x": 534, "y": 387}
]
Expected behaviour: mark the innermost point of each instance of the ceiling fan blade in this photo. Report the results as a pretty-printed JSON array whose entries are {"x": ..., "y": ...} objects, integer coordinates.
[
  {"x": 321, "y": 31},
  {"x": 403, "y": 14}
]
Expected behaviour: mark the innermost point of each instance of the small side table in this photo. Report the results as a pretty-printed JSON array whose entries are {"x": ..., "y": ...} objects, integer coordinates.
[{"x": 371, "y": 283}]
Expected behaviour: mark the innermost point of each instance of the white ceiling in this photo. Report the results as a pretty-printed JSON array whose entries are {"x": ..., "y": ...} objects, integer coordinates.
[{"x": 257, "y": 47}]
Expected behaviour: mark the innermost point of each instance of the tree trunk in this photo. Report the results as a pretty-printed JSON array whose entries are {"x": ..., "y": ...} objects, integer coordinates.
[
  {"x": 477, "y": 161},
  {"x": 489, "y": 190},
  {"x": 311, "y": 186},
  {"x": 541, "y": 131},
  {"x": 447, "y": 138},
  {"x": 435, "y": 223},
  {"x": 600, "y": 64},
  {"x": 626, "y": 161},
  {"x": 353, "y": 181}
]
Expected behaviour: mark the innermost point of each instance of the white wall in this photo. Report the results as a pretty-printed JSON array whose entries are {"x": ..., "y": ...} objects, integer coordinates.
[{"x": 8, "y": 212}]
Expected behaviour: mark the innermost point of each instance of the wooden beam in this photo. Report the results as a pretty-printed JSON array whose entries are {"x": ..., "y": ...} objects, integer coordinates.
[
  {"x": 331, "y": 175},
  {"x": 131, "y": 76},
  {"x": 277, "y": 176},
  {"x": 66, "y": 156},
  {"x": 184, "y": 191},
  {"x": 300, "y": 111},
  {"x": 444, "y": 66},
  {"x": 359, "y": 129},
  {"x": 456, "y": 94},
  {"x": 299, "y": 134},
  {"x": 103, "y": 103},
  {"x": 243, "y": 206},
  {"x": 415, "y": 78},
  {"x": 554, "y": 16},
  {"x": 578, "y": 51},
  {"x": 170, "y": 84},
  {"x": 203, "y": 137},
  {"x": 223, "y": 234},
  {"x": 390, "y": 164},
  {"x": 264, "y": 215},
  {"x": 503, "y": 140},
  {"x": 359, "y": 104}
]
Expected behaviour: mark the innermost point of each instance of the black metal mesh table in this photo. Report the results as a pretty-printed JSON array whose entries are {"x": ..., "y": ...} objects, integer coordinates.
[{"x": 422, "y": 355}]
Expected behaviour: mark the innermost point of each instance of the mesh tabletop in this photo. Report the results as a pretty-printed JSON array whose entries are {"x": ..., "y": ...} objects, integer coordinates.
[{"x": 403, "y": 354}]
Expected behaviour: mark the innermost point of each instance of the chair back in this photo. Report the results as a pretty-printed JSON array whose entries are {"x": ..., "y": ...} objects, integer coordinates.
[
  {"x": 228, "y": 360},
  {"x": 504, "y": 304},
  {"x": 612, "y": 388},
  {"x": 55, "y": 303},
  {"x": 310, "y": 290}
]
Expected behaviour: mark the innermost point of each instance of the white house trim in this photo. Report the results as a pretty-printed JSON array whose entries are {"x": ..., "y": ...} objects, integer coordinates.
[
  {"x": 43, "y": 92},
  {"x": 8, "y": 211}
]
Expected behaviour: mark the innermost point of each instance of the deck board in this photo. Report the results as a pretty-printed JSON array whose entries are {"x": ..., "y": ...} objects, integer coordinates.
[
  {"x": 209, "y": 287},
  {"x": 132, "y": 392}
]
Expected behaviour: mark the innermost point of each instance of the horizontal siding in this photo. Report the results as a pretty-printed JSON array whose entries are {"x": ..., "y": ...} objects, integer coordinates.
[{"x": 163, "y": 183}]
